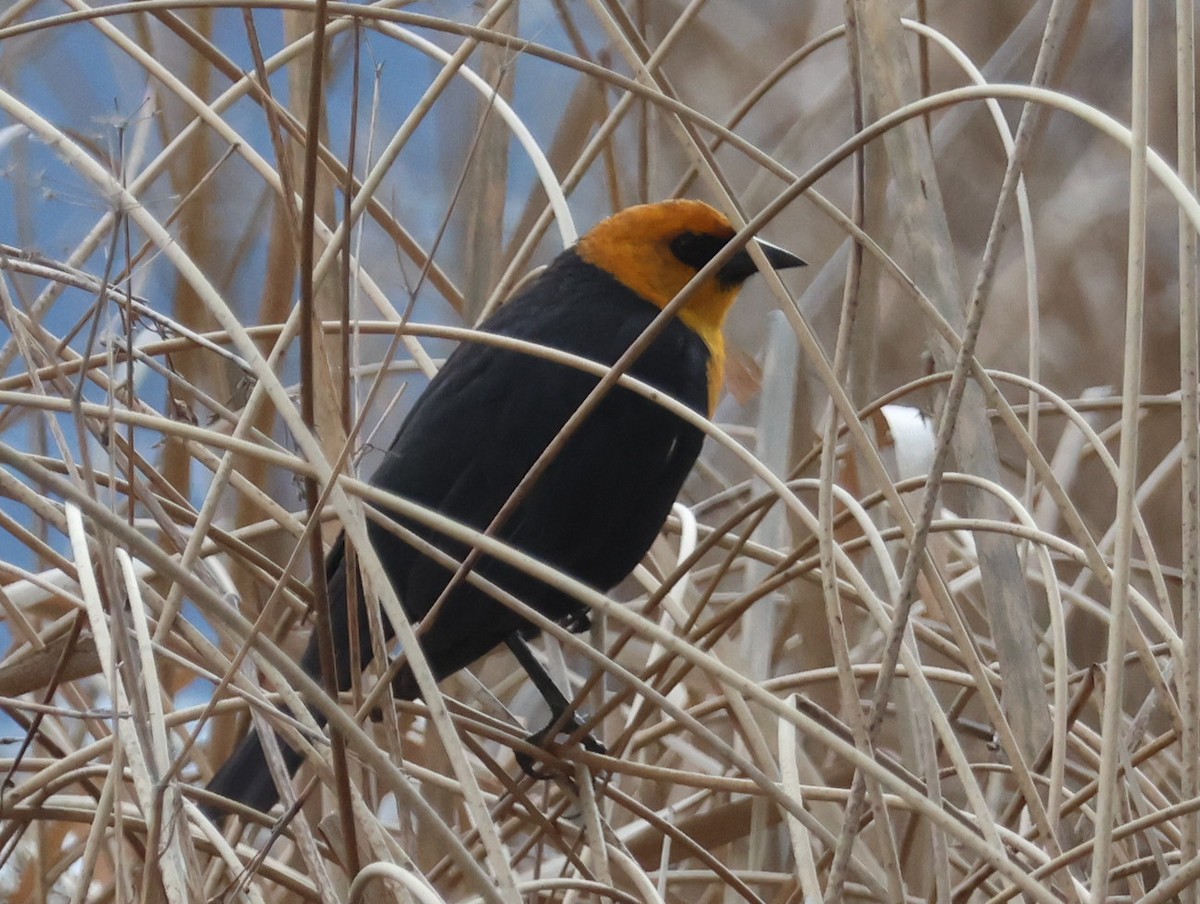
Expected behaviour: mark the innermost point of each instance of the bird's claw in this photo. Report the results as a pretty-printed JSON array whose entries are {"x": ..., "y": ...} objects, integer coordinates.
[{"x": 539, "y": 738}]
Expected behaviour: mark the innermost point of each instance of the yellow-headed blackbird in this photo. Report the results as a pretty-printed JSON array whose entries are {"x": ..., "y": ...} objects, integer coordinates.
[{"x": 490, "y": 413}]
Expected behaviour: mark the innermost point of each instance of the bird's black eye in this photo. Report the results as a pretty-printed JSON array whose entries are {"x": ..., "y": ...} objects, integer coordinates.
[{"x": 697, "y": 248}]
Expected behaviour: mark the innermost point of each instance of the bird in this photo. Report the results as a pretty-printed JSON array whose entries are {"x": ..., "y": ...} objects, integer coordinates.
[{"x": 490, "y": 412}]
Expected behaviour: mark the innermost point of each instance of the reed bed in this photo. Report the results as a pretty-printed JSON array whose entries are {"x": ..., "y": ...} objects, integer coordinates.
[{"x": 923, "y": 626}]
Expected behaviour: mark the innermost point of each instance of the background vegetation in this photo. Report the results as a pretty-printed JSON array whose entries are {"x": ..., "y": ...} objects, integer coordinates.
[{"x": 925, "y": 624}]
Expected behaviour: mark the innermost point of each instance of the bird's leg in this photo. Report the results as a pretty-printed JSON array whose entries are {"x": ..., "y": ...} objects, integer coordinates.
[{"x": 562, "y": 715}]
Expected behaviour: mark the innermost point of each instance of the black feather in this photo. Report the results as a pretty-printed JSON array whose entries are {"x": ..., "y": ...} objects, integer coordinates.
[{"x": 473, "y": 435}]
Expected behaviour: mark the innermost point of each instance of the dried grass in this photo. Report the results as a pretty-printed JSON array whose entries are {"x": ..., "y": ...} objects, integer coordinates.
[{"x": 875, "y": 655}]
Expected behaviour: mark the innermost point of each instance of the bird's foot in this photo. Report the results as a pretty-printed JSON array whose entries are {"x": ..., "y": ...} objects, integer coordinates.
[{"x": 555, "y": 727}]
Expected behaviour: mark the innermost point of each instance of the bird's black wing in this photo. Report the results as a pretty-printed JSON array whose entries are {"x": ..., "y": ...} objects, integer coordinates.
[{"x": 598, "y": 506}]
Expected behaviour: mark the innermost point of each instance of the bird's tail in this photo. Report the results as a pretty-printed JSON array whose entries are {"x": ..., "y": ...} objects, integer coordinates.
[{"x": 244, "y": 777}]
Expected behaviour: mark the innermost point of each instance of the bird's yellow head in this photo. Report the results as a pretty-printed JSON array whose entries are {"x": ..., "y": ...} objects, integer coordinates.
[{"x": 656, "y": 249}]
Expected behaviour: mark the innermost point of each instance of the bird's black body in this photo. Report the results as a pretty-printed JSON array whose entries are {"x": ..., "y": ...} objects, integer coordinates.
[{"x": 474, "y": 434}]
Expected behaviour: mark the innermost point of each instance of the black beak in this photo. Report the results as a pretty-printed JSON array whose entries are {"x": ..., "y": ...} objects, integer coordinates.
[{"x": 740, "y": 267}]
